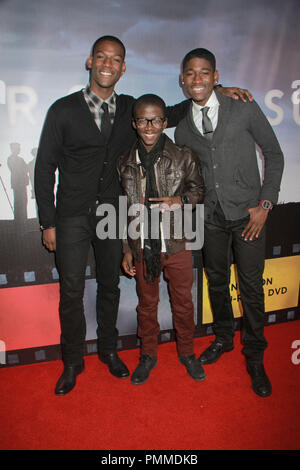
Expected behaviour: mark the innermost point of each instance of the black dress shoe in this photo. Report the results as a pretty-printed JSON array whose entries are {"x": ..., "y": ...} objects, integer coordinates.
[
  {"x": 214, "y": 352},
  {"x": 193, "y": 367},
  {"x": 116, "y": 367},
  {"x": 142, "y": 372},
  {"x": 260, "y": 381},
  {"x": 67, "y": 380}
]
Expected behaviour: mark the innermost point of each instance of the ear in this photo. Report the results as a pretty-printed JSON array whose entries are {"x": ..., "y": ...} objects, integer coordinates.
[
  {"x": 216, "y": 76},
  {"x": 181, "y": 79},
  {"x": 133, "y": 123},
  {"x": 165, "y": 123},
  {"x": 123, "y": 67},
  {"x": 88, "y": 63}
]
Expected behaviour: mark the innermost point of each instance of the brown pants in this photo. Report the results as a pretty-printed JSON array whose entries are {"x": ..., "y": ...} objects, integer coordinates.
[{"x": 178, "y": 270}]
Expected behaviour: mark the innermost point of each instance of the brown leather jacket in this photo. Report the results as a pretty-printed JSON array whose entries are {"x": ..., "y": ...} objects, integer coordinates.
[{"x": 178, "y": 173}]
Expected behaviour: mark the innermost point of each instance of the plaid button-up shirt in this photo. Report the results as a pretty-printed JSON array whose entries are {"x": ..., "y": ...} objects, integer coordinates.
[{"x": 94, "y": 103}]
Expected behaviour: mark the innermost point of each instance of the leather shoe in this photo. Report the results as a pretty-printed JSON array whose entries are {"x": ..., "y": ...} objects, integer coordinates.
[
  {"x": 193, "y": 367},
  {"x": 142, "y": 372},
  {"x": 115, "y": 366},
  {"x": 67, "y": 380},
  {"x": 214, "y": 352},
  {"x": 260, "y": 381}
]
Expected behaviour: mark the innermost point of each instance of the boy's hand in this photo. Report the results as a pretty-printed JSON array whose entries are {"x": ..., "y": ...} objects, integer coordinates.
[
  {"x": 127, "y": 264},
  {"x": 166, "y": 203}
]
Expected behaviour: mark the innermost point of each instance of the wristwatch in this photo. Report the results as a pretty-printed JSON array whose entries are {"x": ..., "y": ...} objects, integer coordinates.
[
  {"x": 265, "y": 204},
  {"x": 185, "y": 199},
  {"x": 42, "y": 227}
]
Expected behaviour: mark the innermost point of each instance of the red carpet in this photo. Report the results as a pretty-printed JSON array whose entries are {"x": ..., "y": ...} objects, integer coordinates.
[{"x": 170, "y": 411}]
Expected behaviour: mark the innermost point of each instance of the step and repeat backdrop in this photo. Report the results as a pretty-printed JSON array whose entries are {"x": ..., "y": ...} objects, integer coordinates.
[{"x": 44, "y": 47}]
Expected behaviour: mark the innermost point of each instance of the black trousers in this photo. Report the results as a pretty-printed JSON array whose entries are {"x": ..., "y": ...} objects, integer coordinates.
[
  {"x": 74, "y": 236},
  {"x": 223, "y": 238}
]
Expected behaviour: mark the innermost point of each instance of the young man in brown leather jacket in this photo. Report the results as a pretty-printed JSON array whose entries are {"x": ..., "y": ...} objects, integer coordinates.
[{"x": 160, "y": 176}]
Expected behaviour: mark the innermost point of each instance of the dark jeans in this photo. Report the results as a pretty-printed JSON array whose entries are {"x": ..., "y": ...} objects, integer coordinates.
[
  {"x": 74, "y": 236},
  {"x": 178, "y": 271},
  {"x": 221, "y": 238}
]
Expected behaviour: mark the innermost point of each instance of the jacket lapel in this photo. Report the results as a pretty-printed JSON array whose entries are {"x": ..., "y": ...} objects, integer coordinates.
[
  {"x": 193, "y": 128},
  {"x": 223, "y": 117},
  {"x": 88, "y": 113}
]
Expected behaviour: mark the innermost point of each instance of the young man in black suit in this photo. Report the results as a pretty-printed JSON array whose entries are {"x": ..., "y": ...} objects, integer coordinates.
[
  {"x": 83, "y": 135},
  {"x": 223, "y": 133}
]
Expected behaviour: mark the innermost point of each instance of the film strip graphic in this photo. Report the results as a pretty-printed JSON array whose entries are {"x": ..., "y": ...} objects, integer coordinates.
[
  {"x": 24, "y": 262},
  {"x": 53, "y": 352}
]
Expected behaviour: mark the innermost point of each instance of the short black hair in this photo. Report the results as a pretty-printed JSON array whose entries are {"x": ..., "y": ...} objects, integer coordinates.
[
  {"x": 200, "y": 54},
  {"x": 109, "y": 38},
  {"x": 148, "y": 99}
]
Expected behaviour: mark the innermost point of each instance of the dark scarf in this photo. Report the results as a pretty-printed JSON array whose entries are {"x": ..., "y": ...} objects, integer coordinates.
[{"x": 152, "y": 247}]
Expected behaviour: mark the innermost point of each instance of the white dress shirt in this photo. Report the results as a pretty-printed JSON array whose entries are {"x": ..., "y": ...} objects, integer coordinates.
[{"x": 213, "y": 112}]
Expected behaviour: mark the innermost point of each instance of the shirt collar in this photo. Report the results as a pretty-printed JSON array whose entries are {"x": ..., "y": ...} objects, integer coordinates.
[
  {"x": 96, "y": 100},
  {"x": 212, "y": 102}
]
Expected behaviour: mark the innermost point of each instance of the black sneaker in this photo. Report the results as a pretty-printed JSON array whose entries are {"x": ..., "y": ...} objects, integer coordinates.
[
  {"x": 193, "y": 367},
  {"x": 142, "y": 372}
]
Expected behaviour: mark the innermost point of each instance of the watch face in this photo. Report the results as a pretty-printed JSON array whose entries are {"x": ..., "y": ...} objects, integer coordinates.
[{"x": 266, "y": 204}]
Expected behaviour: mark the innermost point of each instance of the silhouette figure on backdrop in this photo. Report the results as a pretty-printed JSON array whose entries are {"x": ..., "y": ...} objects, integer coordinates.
[
  {"x": 5, "y": 192},
  {"x": 31, "y": 166},
  {"x": 19, "y": 182}
]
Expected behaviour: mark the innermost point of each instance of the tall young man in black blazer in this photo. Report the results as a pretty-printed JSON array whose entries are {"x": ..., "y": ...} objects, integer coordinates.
[
  {"x": 223, "y": 134},
  {"x": 83, "y": 135}
]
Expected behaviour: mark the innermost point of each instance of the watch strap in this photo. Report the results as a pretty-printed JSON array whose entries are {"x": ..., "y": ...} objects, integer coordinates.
[{"x": 265, "y": 204}]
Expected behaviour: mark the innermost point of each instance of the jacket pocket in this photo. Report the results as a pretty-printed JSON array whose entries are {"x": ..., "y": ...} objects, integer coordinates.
[
  {"x": 174, "y": 178},
  {"x": 241, "y": 180}
]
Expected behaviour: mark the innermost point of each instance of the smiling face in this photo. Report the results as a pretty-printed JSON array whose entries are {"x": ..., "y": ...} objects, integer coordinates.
[
  {"x": 149, "y": 133},
  {"x": 106, "y": 67},
  {"x": 199, "y": 79}
]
